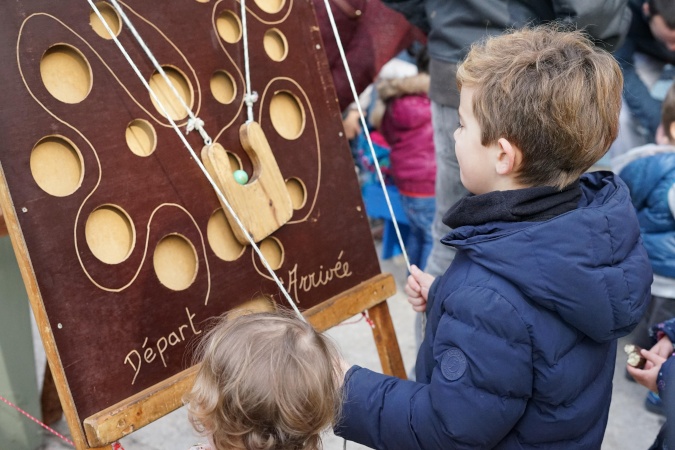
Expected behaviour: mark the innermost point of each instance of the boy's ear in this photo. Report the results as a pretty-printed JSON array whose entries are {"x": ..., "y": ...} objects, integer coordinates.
[{"x": 508, "y": 158}]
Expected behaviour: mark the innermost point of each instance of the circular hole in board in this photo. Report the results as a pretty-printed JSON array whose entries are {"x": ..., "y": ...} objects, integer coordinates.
[
  {"x": 111, "y": 17},
  {"x": 110, "y": 234},
  {"x": 221, "y": 237},
  {"x": 223, "y": 88},
  {"x": 273, "y": 252},
  {"x": 275, "y": 45},
  {"x": 258, "y": 304},
  {"x": 175, "y": 262},
  {"x": 141, "y": 137},
  {"x": 297, "y": 192},
  {"x": 56, "y": 166},
  {"x": 167, "y": 97},
  {"x": 228, "y": 27},
  {"x": 66, "y": 73},
  {"x": 270, "y": 6},
  {"x": 287, "y": 115}
]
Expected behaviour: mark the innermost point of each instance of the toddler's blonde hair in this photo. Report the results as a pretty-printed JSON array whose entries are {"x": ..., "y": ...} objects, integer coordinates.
[{"x": 267, "y": 381}]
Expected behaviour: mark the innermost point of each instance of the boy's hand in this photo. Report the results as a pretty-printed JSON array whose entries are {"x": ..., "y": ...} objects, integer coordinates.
[
  {"x": 647, "y": 376},
  {"x": 663, "y": 348},
  {"x": 417, "y": 288}
]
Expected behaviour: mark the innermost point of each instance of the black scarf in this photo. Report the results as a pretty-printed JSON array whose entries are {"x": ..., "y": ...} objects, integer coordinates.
[{"x": 533, "y": 204}]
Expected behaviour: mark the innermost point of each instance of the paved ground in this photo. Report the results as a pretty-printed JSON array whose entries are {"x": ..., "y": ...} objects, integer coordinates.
[{"x": 630, "y": 426}]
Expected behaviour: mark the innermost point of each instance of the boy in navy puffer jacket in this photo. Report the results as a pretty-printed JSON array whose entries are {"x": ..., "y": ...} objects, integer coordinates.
[{"x": 550, "y": 270}]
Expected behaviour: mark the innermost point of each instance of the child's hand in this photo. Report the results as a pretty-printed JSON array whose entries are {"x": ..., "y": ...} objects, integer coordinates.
[
  {"x": 663, "y": 348},
  {"x": 647, "y": 376},
  {"x": 417, "y": 288},
  {"x": 341, "y": 370},
  {"x": 351, "y": 124}
]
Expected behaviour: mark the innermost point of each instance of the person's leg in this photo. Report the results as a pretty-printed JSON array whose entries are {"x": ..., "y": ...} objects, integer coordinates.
[
  {"x": 412, "y": 242},
  {"x": 425, "y": 218},
  {"x": 449, "y": 188},
  {"x": 420, "y": 214}
]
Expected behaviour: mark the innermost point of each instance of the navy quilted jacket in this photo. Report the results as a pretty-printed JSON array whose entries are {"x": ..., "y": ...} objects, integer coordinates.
[
  {"x": 521, "y": 335},
  {"x": 650, "y": 176}
]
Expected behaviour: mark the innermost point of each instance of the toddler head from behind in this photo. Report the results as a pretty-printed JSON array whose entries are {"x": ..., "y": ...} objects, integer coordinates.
[{"x": 267, "y": 381}]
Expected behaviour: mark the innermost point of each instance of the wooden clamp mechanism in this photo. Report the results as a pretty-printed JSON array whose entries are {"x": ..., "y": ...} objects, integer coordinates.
[{"x": 263, "y": 204}]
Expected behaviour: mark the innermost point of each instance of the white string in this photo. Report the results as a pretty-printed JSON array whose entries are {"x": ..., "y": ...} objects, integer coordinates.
[
  {"x": 249, "y": 97},
  {"x": 194, "y": 123},
  {"x": 364, "y": 125},
  {"x": 198, "y": 161}
]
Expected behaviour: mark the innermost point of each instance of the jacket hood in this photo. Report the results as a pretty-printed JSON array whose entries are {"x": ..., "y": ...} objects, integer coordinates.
[
  {"x": 588, "y": 264},
  {"x": 410, "y": 112},
  {"x": 408, "y": 106},
  {"x": 650, "y": 177},
  {"x": 618, "y": 163}
]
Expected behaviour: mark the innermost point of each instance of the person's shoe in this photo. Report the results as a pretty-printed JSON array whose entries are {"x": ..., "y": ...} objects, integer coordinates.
[{"x": 654, "y": 404}]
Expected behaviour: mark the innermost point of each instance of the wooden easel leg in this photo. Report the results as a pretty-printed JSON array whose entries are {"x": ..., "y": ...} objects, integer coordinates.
[
  {"x": 386, "y": 342},
  {"x": 49, "y": 399}
]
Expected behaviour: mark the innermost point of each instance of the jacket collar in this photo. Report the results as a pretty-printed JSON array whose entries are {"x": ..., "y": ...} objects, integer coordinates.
[{"x": 533, "y": 204}]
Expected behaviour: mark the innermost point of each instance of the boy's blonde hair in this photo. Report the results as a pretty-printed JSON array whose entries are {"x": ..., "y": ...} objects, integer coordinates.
[
  {"x": 267, "y": 381},
  {"x": 668, "y": 112},
  {"x": 551, "y": 93}
]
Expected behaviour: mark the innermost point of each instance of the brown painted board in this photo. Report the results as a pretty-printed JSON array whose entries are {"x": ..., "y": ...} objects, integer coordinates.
[{"x": 121, "y": 240}]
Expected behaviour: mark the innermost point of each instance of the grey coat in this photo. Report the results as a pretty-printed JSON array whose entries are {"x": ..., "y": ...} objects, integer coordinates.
[{"x": 453, "y": 25}]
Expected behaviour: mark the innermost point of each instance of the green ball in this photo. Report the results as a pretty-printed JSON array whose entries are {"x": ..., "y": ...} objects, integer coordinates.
[{"x": 240, "y": 176}]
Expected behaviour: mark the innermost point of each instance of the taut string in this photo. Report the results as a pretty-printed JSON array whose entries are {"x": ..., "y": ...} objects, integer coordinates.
[
  {"x": 364, "y": 126},
  {"x": 249, "y": 97}
]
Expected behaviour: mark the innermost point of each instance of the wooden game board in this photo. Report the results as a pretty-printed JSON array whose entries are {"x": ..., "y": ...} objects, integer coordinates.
[{"x": 124, "y": 246}]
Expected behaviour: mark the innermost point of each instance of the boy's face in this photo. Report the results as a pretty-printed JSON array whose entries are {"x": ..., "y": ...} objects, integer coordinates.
[{"x": 476, "y": 164}]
